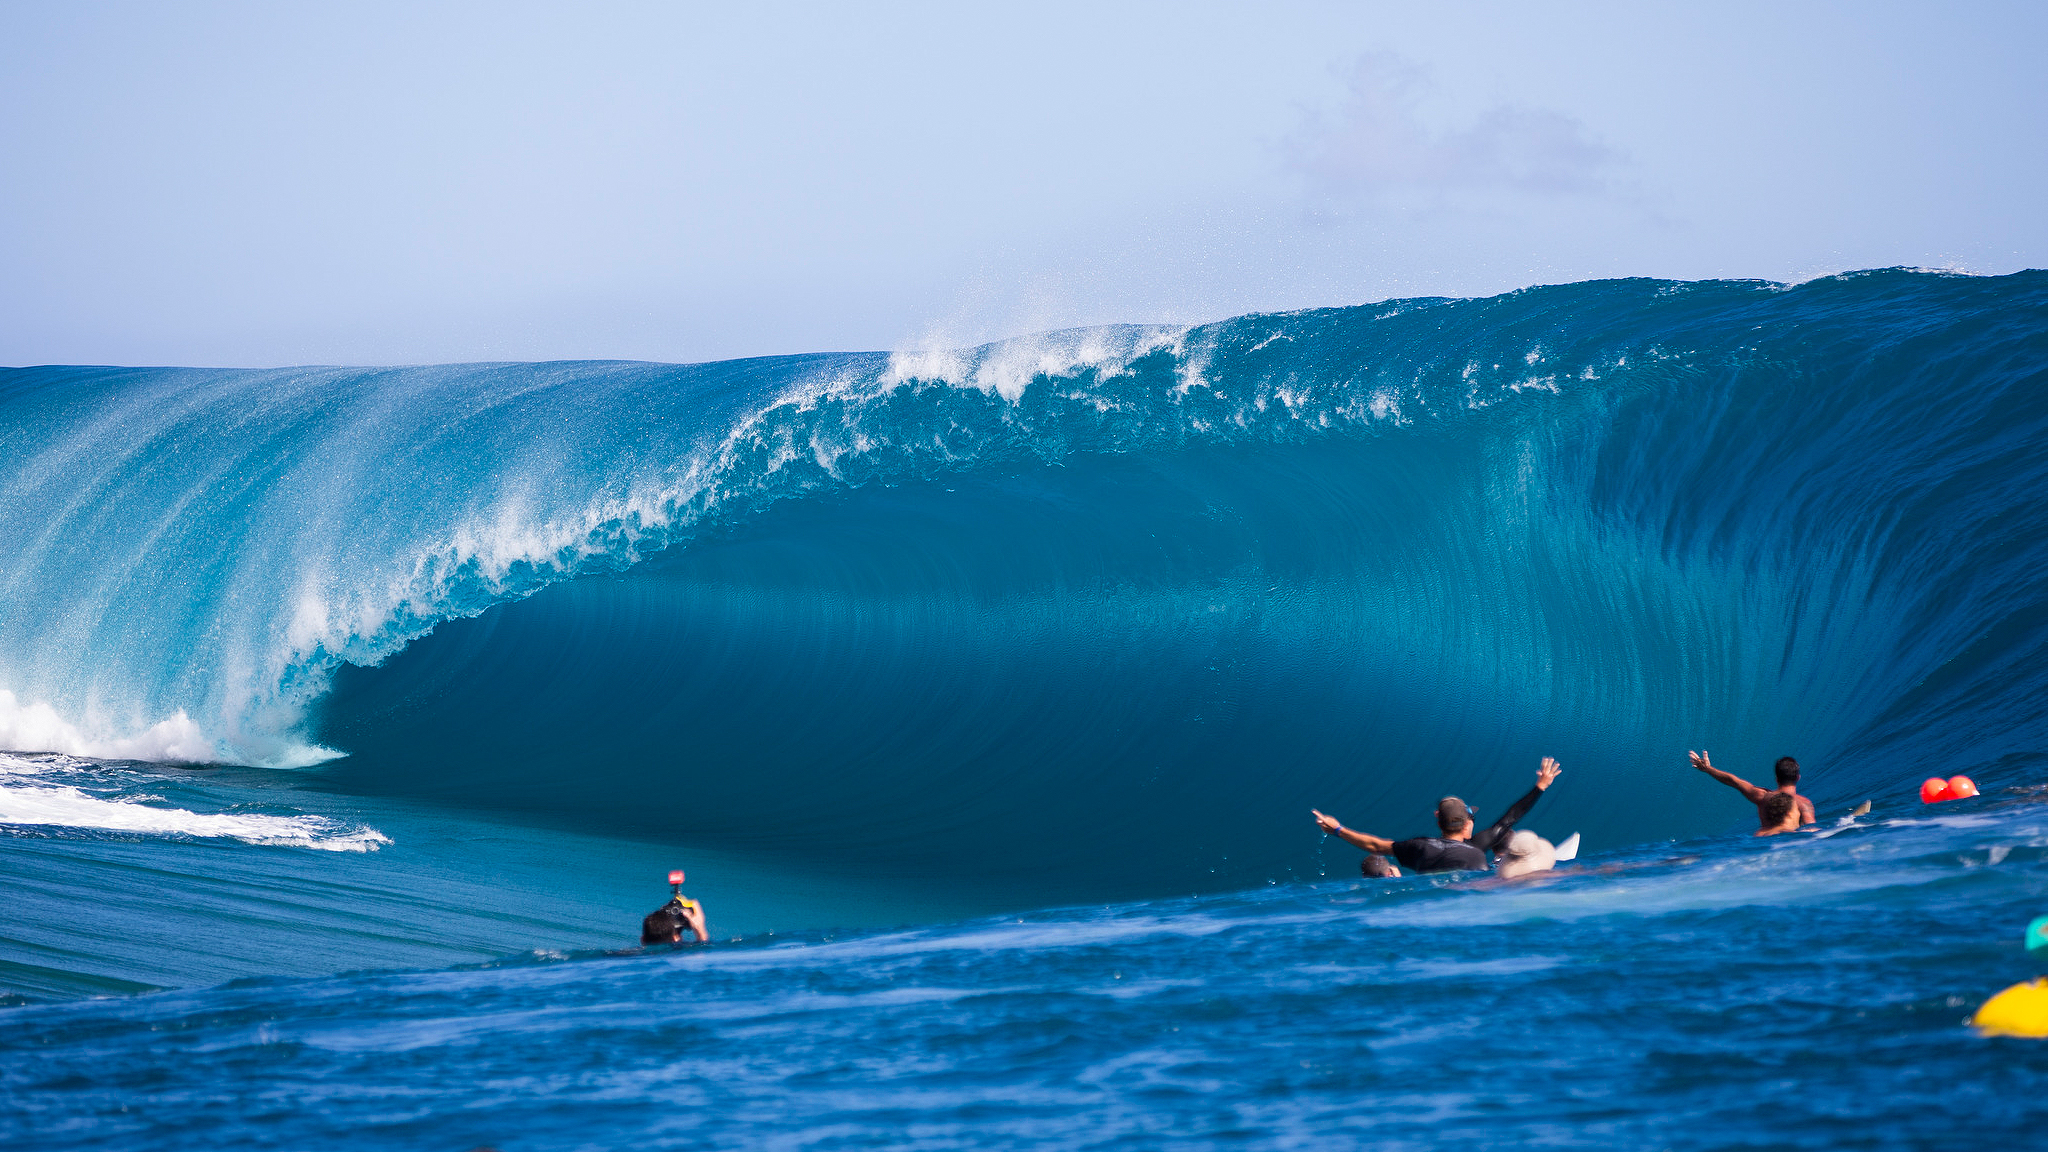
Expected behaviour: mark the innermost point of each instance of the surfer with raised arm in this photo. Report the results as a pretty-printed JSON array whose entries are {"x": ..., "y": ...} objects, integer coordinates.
[
  {"x": 1787, "y": 772},
  {"x": 1459, "y": 848}
]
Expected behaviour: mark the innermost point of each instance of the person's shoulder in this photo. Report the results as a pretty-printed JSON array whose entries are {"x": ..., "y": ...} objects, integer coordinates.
[{"x": 1409, "y": 850}]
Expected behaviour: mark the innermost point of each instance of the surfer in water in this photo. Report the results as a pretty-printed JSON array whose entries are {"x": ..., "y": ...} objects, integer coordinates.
[
  {"x": 1787, "y": 771},
  {"x": 1459, "y": 848},
  {"x": 666, "y": 924}
]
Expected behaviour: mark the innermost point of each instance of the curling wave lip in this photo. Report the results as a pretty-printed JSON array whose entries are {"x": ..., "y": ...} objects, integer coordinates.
[{"x": 880, "y": 601}]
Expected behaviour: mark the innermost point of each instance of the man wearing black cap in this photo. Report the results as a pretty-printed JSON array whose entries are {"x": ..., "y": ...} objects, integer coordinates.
[{"x": 1459, "y": 848}]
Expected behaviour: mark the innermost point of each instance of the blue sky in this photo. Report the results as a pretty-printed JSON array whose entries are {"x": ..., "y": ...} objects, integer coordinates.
[{"x": 261, "y": 184}]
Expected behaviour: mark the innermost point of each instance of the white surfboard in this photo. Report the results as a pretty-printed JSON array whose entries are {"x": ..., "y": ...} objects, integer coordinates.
[{"x": 1569, "y": 850}]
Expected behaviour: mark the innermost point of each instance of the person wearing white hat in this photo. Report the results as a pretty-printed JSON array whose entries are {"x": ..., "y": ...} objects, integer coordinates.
[{"x": 1525, "y": 852}]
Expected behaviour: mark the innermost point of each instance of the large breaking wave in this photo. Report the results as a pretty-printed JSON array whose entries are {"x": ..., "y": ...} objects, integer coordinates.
[{"x": 1105, "y": 609}]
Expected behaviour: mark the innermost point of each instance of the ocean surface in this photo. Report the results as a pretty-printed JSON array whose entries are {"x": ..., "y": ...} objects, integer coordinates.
[{"x": 356, "y": 715}]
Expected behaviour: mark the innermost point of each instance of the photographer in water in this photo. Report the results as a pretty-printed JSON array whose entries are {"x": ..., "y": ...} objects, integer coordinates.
[
  {"x": 1459, "y": 848},
  {"x": 666, "y": 924}
]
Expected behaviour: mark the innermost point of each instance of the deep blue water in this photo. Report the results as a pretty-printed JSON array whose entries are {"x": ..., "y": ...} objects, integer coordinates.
[
  {"x": 1802, "y": 992},
  {"x": 984, "y": 695}
]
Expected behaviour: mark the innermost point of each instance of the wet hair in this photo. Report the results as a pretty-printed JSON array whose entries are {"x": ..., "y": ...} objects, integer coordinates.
[
  {"x": 1377, "y": 867},
  {"x": 1773, "y": 809},
  {"x": 1452, "y": 814},
  {"x": 664, "y": 925},
  {"x": 1788, "y": 771}
]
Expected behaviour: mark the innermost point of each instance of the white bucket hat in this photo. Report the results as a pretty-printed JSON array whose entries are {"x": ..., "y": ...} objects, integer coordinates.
[{"x": 1525, "y": 852}]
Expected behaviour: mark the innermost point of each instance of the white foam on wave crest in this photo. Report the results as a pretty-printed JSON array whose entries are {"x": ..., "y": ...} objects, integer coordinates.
[
  {"x": 1007, "y": 368},
  {"x": 359, "y": 539},
  {"x": 385, "y": 502},
  {"x": 40, "y": 803},
  {"x": 525, "y": 537}
]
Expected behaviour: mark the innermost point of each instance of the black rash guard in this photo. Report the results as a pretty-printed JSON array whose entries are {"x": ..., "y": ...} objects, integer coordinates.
[{"x": 1436, "y": 854}]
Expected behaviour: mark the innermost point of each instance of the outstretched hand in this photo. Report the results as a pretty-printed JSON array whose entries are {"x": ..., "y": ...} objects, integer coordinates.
[
  {"x": 1326, "y": 823},
  {"x": 1547, "y": 773},
  {"x": 1700, "y": 761}
]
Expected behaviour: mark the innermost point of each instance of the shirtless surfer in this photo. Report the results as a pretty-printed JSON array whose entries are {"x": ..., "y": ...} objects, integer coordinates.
[
  {"x": 1459, "y": 848},
  {"x": 1787, "y": 771}
]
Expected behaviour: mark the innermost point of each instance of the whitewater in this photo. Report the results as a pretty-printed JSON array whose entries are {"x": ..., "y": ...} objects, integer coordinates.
[{"x": 352, "y": 716}]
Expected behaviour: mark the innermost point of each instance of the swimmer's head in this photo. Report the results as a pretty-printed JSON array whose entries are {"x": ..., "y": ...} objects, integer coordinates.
[
  {"x": 1788, "y": 771},
  {"x": 662, "y": 926},
  {"x": 1453, "y": 815},
  {"x": 1378, "y": 867},
  {"x": 1778, "y": 812},
  {"x": 1525, "y": 852}
]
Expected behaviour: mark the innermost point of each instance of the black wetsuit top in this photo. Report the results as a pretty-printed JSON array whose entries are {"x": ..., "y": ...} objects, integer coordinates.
[{"x": 1436, "y": 854}]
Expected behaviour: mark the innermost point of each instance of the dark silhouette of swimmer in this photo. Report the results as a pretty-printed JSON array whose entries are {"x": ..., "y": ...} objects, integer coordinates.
[
  {"x": 1378, "y": 867},
  {"x": 666, "y": 924},
  {"x": 1779, "y": 812},
  {"x": 1787, "y": 771},
  {"x": 1459, "y": 848}
]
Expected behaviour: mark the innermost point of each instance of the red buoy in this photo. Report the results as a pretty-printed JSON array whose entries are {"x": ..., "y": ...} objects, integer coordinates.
[
  {"x": 1959, "y": 787},
  {"x": 1935, "y": 789}
]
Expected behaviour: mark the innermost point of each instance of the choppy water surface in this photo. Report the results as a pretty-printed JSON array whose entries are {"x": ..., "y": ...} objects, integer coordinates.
[
  {"x": 1806, "y": 991},
  {"x": 352, "y": 715}
]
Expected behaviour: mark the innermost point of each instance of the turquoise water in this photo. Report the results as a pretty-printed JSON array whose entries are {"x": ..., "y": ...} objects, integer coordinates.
[
  {"x": 318, "y": 882},
  {"x": 358, "y": 714}
]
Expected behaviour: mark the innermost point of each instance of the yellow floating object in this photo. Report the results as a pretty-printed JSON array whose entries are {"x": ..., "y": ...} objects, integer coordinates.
[{"x": 2021, "y": 1010}]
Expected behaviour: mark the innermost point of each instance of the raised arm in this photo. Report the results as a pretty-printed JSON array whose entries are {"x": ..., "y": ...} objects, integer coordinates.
[
  {"x": 1498, "y": 833},
  {"x": 1750, "y": 792},
  {"x": 1335, "y": 827},
  {"x": 693, "y": 915}
]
